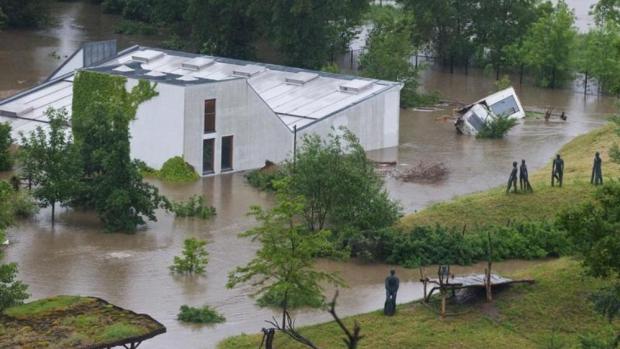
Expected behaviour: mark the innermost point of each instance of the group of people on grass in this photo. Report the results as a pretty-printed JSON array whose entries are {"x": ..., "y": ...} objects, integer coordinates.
[{"x": 557, "y": 174}]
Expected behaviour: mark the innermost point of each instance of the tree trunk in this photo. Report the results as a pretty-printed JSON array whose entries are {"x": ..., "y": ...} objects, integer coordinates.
[
  {"x": 553, "y": 78},
  {"x": 497, "y": 69},
  {"x": 53, "y": 212},
  {"x": 521, "y": 75},
  {"x": 585, "y": 84},
  {"x": 452, "y": 64},
  {"x": 284, "y": 307}
]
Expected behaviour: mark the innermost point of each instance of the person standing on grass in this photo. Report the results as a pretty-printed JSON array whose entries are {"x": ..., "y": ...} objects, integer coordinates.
[
  {"x": 524, "y": 180},
  {"x": 512, "y": 180},
  {"x": 597, "y": 170},
  {"x": 391, "y": 289},
  {"x": 557, "y": 171}
]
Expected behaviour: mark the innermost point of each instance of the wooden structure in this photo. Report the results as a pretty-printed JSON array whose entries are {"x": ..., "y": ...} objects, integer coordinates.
[{"x": 75, "y": 322}]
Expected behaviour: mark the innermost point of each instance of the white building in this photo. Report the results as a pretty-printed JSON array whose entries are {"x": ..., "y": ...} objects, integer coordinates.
[{"x": 221, "y": 114}]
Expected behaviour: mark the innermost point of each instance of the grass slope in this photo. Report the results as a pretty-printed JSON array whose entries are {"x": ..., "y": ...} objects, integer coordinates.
[
  {"x": 496, "y": 207},
  {"x": 555, "y": 309}
]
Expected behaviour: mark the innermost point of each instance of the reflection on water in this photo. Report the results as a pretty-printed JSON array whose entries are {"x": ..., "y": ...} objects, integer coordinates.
[{"x": 75, "y": 257}]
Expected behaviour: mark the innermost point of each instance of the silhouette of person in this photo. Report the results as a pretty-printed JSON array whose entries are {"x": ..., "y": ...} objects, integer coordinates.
[
  {"x": 524, "y": 180},
  {"x": 557, "y": 170},
  {"x": 597, "y": 170},
  {"x": 391, "y": 289},
  {"x": 512, "y": 180},
  {"x": 564, "y": 117}
]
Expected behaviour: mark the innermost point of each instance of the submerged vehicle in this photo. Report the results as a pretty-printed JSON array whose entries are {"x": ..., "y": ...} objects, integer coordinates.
[{"x": 473, "y": 117}]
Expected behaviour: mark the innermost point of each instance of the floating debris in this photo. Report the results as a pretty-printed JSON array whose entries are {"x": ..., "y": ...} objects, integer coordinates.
[{"x": 422, "y": 172}]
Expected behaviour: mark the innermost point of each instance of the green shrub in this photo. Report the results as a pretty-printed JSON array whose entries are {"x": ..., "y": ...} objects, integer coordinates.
[
  {"x": 264, "y": 178},
  {"x": 6, "y": 159},
  {"x": 194, "y": 258},
  {"x": 130, "y": 27},
  {"x": 12, "y": 291},
  {"x": 496, "y": 128},
  {"x": 177, "y": 170},
  {"x": 426, "y": 245},
  {"x": 194, "y": 207},
  {"x": 24, "y": 205},
  {"x": 296, "y": 299},
  {"x": 146, "y": 170},
  {"x": 203, "y": 315}
]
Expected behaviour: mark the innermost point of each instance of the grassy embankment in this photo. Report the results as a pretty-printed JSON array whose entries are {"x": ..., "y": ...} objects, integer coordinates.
[
  {"x": 555, "y": 309},
  {"x": 496, "y": 207},
  {"x": 552, "y": 313}
]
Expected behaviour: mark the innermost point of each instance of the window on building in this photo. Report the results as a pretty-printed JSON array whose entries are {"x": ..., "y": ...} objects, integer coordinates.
[
  {"x": 227, "y": 153},
  {"x": 208, "y": 155},
  {"x": 210, "y": 116}
]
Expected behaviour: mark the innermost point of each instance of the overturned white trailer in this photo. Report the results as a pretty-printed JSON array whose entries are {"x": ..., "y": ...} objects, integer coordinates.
[{"x": 505, "y": 103}]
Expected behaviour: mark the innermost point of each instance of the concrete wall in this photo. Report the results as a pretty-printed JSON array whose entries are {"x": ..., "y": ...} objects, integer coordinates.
[
  {"x": 375, "y": 121},
  {"x": 157, "y": 133},
  {"x": 258, "y": 134}
]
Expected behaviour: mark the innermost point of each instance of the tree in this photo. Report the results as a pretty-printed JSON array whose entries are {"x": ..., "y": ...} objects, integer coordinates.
[
  {"x": 308, "y": 33},
  {"x": 447, "y": 25},
  {"x": 283, "y": 268},
  {"x": 12, "y": 292},
  {"x": 339, "y": 186},
  {"x": 56, "y": 166},
  {"x": 548, "y": 46},
  {"x": 388, "y": 54},
  {"x": 121, "y": 198},
  {"x": 6, "y": 206},
  {"x": 594, "y": 231},
  {"x": 112, "y": 184},
  {"x": 599, "y": 56},
  {"x": 25, "y": 13},
  {"x": 194, "y": 259},
  {"x": 223, "y": 27},
  {"x": 497, "y": 25},
  {"x": 6, "y": 160},
  {"x": 607, "y": 11}
]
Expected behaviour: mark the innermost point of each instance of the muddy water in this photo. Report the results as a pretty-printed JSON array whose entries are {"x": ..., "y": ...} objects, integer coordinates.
[{"x": 75, "y": 257}]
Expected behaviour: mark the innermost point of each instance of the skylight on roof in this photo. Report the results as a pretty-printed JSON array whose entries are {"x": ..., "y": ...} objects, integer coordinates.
[
  {"x": 187, "y": 78},
  {"x": 146, "y": 56},
  {"x": 197, "y": 63},
  {"x": 123, "y": 69},
  {"x": 356, "y": 86},
  {"x": 155, "y": 74},
  {"x": 301, "y": 78},
  {"x": 248, "y": 71}
]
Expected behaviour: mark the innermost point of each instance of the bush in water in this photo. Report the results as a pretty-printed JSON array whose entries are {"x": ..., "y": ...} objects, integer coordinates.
[
  {"x": 194, "y": 207},
  {"x": 203, "y": 315}
]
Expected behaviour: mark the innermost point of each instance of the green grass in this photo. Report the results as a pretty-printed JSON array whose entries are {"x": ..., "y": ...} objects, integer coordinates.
[
  {"x": 44, "y": 306},
  {"x": 523, "y": 316},
  {"x": 496, "y": 207},
  {"x": 119, "y": 331}
]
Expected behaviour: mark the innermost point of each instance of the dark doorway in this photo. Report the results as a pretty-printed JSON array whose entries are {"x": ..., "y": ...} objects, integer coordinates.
[
  {"x": 227, "y": 153},
  {"x": 208, "y": 155}
]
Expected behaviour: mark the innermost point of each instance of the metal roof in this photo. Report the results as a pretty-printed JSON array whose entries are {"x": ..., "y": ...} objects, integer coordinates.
[{"x": 299, "y": 97}]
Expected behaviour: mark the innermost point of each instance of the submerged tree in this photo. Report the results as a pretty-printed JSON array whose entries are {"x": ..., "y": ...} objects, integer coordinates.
[
  {"x": 339, "y": 186},
  {"x": 53, "y": 160},
  {"x": 283, "y": 270},
  {"x": 194, "y": 258},
  {"x": 548, "y": 47},
  {"x": 388, "y": 55},
  {"x": 308, "y": 33}
]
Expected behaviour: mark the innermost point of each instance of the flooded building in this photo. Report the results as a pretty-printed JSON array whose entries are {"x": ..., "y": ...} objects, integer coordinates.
[{"x": 220, "y": 114}]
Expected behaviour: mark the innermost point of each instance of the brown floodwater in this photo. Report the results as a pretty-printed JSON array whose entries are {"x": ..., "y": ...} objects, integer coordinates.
[{"x": 76, "y": 257}]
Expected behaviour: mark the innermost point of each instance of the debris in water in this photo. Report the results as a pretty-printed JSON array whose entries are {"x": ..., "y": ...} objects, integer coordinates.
[{"x": 422, "y": 172}]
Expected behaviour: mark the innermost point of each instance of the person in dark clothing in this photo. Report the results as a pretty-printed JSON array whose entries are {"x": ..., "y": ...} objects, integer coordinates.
[
  {"x": 391, "y": 289},
  {"x": 597, "y": 170},
  {"x": 524, "y": 180},
  {"x": 512, "y": 180},
  {"x": 557, "y": 170}
]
